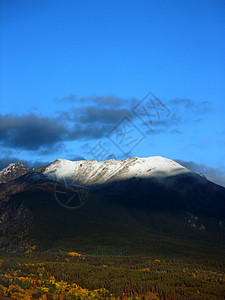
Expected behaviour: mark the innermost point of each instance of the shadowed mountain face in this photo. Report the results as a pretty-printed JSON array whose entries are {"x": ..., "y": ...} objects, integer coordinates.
[
  {"x": 174, "y": 193},
  {"x": 154, "y": 183},
  {"x": 126, "y": 209}
]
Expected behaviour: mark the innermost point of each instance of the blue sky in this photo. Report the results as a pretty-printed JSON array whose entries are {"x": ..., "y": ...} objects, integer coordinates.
[{"x": 74, "y": 74}]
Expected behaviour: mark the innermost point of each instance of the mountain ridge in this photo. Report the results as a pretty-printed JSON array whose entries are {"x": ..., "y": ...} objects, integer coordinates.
[
  {"x": 155, "y": 162},
  {"x": 12, "y": 171},
  {"x": 120, "y": 205},
  {"x": 91, "y": 172}
]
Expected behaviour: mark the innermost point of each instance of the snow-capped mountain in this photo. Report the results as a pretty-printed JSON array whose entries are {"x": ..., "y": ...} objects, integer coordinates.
[
  {"x": 154, "y": 183},
  {"x": 13, "y": 171},
  {"x": 119, "y": 194},
  {"x": 92, "y": 172}
]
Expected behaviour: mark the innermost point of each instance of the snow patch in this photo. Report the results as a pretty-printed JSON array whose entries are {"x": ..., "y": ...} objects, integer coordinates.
[{"x": 89, "y": 172}]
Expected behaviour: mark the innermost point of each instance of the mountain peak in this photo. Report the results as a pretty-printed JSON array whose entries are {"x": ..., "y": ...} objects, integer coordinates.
[
  {"x": 91, "y": 172},
  {"x": 12, "y": 171}
]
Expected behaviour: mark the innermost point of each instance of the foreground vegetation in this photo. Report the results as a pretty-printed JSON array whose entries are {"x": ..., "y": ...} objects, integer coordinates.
[{"x": 71, "y": 275}]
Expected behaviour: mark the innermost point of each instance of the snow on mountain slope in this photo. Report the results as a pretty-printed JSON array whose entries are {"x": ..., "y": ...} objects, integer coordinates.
[
  {"x": 92, "y": 172},
  {"x": 13, "y": 171}
]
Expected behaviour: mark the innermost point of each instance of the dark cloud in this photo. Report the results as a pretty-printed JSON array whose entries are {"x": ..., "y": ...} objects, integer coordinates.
[
  {"x": 34, "y": 133},
  {"x": 59, "y": 147},
  {"x": 184, "y": 102},
  {"x": 169, "y": 124},
  {"x": 91, "y": 118},
  {"x": 182, "y": 112},
  {"x": 87, "y": 131},
  {"x": 102, "y": 111},
  {"x": 93, "y": 114},
  {"x": 70, "y": 98},
  {"x": 110, "y": 101},
  {"x": 190, "y": 105},
  {"x": 213, "y": 174},
  {"x": 30, "y": 132}
]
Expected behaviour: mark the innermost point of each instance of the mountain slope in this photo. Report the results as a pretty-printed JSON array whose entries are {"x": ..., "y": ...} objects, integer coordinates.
[
  {"x": 13, "y": 171},
  {"x": 104, "y": 226},
  {"x": 23, "y": 202},
  {"x": 92, "y": 172},
  {"x": 152, "y": 205},
  {"x": 149, "y": 183}
]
